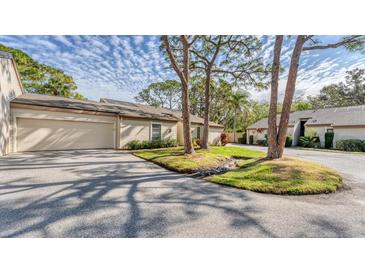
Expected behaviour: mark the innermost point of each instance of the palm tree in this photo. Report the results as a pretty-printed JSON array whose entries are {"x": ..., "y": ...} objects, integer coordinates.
[{"x": 236, "y": 101}]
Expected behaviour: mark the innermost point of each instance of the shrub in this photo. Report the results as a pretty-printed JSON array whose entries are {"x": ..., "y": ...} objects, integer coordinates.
[
  {"x": 262, "y": 142},
  {"x": 224, "y": 138},
  {"x": 196, "y": 142},
  {"x": 309, "y": 141},
  {"x": 250, "y": 140},
  {"x": 244, "y": 138},
  {"x": 328, "y": 139},
  {"x": 288, "y": 141},
  {"x": 134, "y": 145},
  {"x": 351, "y": 145}
]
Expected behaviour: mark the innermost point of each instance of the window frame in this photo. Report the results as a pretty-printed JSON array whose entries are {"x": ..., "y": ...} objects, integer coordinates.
[
  {"x": 151, "y": 130},
  {"x": 198, "y": 130}
]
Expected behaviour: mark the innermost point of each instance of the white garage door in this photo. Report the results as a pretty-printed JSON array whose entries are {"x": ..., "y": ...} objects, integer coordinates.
[{"x": 43, "y": 134}]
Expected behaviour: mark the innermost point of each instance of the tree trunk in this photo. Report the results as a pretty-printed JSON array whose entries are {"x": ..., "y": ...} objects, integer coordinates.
[
  {"x": 234, "y": 125},
  {"x": 184, "y": 78},
  {"x": 170, "y": 99},
  {"x": 289, "y": 93},
  {"x": 273, "y": 150},
  {"x": 188, "y": 142},
  {"x": 204, "y": 141}
]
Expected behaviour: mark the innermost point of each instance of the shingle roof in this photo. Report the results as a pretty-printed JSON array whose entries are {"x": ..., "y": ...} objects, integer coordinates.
[
  {"x": 339, "y": 116},
  {"x": 67, "y": 103},
  {"x": 156, "y": 110},
  {"x": 123, "y": 108}
]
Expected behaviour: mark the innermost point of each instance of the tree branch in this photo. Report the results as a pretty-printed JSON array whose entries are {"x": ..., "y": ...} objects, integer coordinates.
[
  {"x": 334, "y": 45},
  {"x": 173, "y": 59}
]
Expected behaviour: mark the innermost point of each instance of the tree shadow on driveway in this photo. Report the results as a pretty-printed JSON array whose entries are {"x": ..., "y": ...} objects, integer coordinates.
[{"x": 113, "y": 194}]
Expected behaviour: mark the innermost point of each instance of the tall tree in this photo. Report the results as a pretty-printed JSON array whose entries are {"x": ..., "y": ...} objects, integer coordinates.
[
  {"x": 277, "y": 136},
  {"x": 348, "y": 93},
  {"x": 165, "y": 94},
  {"x": 237, "y": 100},
  {"x": 301, "y": 104},
  {"x": 182, "y": 69},
  {"x": 228, "y": 55},
  {"x": 42, "y": 79},
  {"x": 273, "y": 149}
]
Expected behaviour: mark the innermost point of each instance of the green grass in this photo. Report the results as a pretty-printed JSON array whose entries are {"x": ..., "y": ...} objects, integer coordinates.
[
  {"x": 284, "y": 176},
  {"x": 255, "y": 173},
  {"x": 175, "y": 159}
]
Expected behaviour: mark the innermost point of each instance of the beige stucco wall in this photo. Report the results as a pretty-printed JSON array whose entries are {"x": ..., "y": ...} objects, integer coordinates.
[
  {"x": 261, "y": 135},
  {"x": 194, "y": 130},
  {"x": 193, "y": 127},
  {"x": 213, "y": 136},
  {"x": 138, "y": 129},
  {"x": 179, "y": 135},
  {"x": 41, "y": 118},
  {"x": 256, "y": 135},
  {"x": 342, "y": 133},
  {"x": 296, "y": 133},
  {"x": 10, "y": 87}
]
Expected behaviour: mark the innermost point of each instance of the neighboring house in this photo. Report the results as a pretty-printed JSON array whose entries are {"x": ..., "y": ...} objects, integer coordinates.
[
  {"x": 35, "y": 122},
  {"x": 345, "y": 122}
]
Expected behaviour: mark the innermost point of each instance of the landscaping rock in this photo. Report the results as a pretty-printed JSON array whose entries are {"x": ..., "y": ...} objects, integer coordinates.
[{"x": 224, "y": 167}]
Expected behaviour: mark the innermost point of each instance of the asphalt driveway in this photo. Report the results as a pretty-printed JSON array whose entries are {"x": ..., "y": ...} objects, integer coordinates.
[{"x": 106, "y": 193}]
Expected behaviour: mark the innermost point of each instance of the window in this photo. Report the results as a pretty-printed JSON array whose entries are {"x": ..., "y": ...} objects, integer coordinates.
[
  {"x": 156, "y": 132},
  {"x": 329, "y": 129},
  {"x": 198, "y": 132}
]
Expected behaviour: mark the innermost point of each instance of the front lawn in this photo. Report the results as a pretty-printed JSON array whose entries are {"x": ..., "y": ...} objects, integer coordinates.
[
  {"x": 284, "y": 176},
  {"x": 175, "y": 159},
  {"x": 254, "y": 172}
]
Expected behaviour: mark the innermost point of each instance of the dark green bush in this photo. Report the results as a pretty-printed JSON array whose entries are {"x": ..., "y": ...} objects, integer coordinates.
[
  {"x": 328, "y": 139},
  {"x": 262, "y": 142},
  {"x": 309, "y": 141},
  {"x": 134, "y": 145},
  {"x": 250, "y": 140},
  {"x": 243, "y": 139},
  {"x": 288, "y": 141},
  {"x": 351, "y": 145}
]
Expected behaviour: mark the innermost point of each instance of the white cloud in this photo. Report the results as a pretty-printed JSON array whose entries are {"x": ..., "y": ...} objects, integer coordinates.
[{"x": 120, "y": 66}]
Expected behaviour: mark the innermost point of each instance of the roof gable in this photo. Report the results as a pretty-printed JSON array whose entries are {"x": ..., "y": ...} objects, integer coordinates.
[{"x": 338, "y": 116}]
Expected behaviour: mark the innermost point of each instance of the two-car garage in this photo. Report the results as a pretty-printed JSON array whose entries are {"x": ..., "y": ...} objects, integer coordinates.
[
  {"x": 46, "y": 134},
  {"x": 40, "y": 129}
]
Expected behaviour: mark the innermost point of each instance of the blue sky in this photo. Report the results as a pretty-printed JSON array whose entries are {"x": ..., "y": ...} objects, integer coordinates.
[{"x": 120, "y": 66}]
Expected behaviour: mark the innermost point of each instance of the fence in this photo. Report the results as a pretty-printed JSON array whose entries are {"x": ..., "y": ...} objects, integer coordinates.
[{"x": 232, "y": 139}]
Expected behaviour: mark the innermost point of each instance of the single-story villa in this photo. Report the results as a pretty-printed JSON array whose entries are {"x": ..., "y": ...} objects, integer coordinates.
[
  {"x": 35, "y": 122},
  {"x": 344, "y": 122}
]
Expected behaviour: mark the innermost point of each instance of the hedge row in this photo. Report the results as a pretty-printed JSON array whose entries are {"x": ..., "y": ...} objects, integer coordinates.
[
  {"x": 151, "y": 144},
  {"x": 351, "y": 145}
]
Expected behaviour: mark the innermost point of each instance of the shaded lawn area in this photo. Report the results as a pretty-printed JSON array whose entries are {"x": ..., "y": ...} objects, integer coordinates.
[
  {"x": 254, "y": 172},
  {"x": 175, "y": 159}
]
